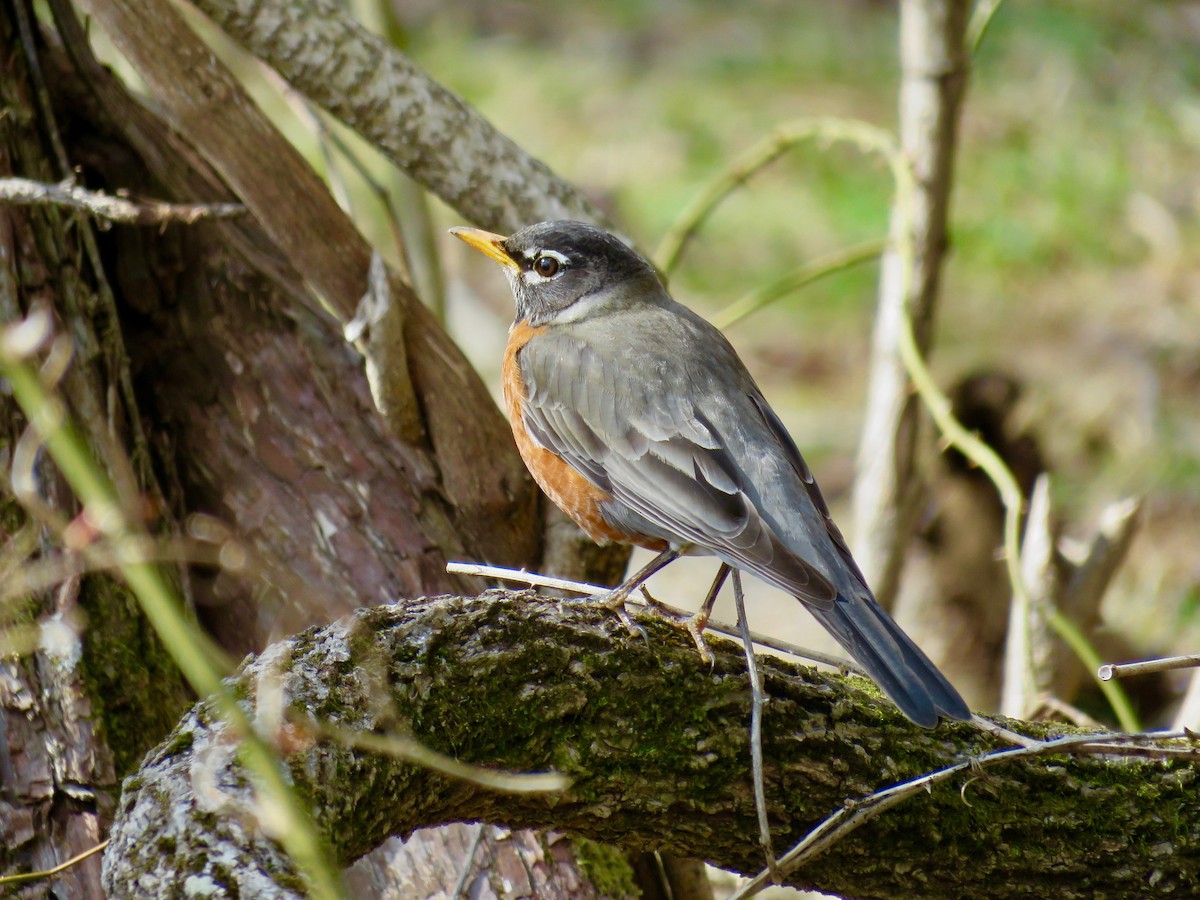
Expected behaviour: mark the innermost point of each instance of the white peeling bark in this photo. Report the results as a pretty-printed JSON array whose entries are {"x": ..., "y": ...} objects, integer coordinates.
[{"x": 934, "y": 62}]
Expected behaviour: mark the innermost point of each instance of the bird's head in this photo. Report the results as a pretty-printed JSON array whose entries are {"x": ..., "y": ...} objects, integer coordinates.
[{"x": 562, "y": 271}]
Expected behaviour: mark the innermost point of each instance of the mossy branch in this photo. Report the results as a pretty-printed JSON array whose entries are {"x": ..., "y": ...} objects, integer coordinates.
[{"x": 655, "y": 742}]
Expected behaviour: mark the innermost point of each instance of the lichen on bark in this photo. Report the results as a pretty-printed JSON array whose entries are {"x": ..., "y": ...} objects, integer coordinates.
[{"x": 655, "y": 742}]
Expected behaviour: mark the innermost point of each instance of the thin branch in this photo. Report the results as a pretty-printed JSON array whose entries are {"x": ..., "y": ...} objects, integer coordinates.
[
  {"x": 520, "y": 576},
  {"x": 858, "y": 812},
  {"x": 759, "y": 156},
  {"x": 756, "y": 710},
  {"x": 1109, "y": 671},
  {"x": 25, "y": 192},
  {"x": 48, "y": 873}
]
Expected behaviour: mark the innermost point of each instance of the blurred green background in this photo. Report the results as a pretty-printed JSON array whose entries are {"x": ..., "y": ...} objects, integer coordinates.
[{"x": 1075, "y": 235}]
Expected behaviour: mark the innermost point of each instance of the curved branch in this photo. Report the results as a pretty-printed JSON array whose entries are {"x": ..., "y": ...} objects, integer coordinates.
[
  {"x": 655, "y": 743},
  {"x": 426, "y": 129}
]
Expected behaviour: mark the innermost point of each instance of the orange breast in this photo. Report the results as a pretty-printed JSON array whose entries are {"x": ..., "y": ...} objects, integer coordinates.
[{"x": 570, "y": 491}]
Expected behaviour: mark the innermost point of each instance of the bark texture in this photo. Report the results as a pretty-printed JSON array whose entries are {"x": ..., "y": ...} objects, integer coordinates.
[
  {"x": 95, "y": 688},
  {"x": 448, "y": 416},
  {"x": 656, "y": 744},
  {"x": 427, "y": 130}
]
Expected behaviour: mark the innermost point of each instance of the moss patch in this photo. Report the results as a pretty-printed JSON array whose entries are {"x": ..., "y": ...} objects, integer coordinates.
[
  {"x": 607, "y": 868},
  {"x": 133, "y": 683}
]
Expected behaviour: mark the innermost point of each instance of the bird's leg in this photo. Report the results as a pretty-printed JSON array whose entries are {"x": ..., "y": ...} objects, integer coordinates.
[
  {"x": 615, "y": 599},
  {"x": 698, "y": 621}
]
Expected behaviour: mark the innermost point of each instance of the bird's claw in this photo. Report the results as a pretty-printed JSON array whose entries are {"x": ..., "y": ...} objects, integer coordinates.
[
  {"x": 614, "y": 601},
  {"x": 693, "y": 624}
]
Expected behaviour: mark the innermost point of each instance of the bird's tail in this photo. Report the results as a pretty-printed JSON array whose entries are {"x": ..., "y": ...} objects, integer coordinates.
[{"x": 889, "y": 656}]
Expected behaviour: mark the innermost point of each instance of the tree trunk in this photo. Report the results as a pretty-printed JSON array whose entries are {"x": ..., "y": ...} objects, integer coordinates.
[
  {"x": 95, "y": 688},
  {"x": 934, "y": 61}
]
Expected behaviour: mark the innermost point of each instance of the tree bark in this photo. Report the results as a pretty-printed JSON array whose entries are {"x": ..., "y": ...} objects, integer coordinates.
[
  {"x": 426, "y": 129},
  {"x": 94, "y": 688},
  {"x": 655, "y": 741}
]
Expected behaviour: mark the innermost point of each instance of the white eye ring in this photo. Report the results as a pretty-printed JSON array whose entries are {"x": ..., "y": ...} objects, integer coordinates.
[{"x": 554, "y": 261}]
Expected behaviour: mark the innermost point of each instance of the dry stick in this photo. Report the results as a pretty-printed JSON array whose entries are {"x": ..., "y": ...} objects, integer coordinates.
[
  {"x": 858, "y": 812},
  {"x": 1145, "y": 667},
  {"x": 49, "y": 873},
  {"x": 756, "y": 710},
  {"x": 468, "y": 863},
  {"x": 26, "y": 192},
  {"x": 520, "y": 576}
]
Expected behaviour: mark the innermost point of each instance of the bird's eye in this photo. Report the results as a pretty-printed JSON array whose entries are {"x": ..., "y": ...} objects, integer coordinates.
[{"x": 546, "y": 266}]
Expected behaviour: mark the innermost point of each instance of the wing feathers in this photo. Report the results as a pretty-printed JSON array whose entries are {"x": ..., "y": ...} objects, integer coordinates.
[{"x": 667, "y": 464}]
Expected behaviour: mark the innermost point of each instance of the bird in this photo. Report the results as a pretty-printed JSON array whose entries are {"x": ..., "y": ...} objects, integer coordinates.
[{"x": 637, "y": 418}]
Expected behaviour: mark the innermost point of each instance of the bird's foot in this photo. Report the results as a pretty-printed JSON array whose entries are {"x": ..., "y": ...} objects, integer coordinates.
[
  {"x": 614, "y": 602},
  {"x": 693, "y": 623}
]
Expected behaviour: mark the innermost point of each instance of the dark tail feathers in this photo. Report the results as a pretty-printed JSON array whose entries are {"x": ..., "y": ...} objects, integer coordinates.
[{"x": 898, "y": 666}]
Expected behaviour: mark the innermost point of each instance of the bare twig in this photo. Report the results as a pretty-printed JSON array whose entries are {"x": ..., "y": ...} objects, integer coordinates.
[
  {"x": 756, "y": 712},
  {"x": 468, "y": 865},
  {"x": 1108, "y": 671},
  {"x": 520, "y": 576},
  {"x": 25, "y": 192},
  {"x": 49, "y": 873},
  {"x": 762, "y": 154},
  {"x": 858, "y": 812}
]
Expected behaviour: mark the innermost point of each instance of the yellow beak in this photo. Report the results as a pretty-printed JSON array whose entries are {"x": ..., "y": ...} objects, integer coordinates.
[{"x": 486, "y": 243}]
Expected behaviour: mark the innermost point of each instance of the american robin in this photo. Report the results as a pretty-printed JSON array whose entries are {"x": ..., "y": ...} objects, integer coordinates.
[{"x": 639, "y": 420}]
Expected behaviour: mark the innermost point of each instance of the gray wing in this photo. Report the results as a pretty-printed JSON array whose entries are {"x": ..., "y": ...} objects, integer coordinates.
[{"x": 686, "y": 448}]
